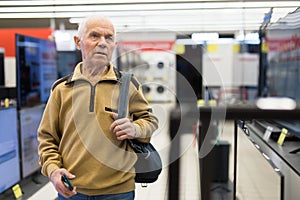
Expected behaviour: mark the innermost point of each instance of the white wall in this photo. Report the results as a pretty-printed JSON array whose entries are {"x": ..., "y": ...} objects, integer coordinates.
[{"x": 10, "y": 71}]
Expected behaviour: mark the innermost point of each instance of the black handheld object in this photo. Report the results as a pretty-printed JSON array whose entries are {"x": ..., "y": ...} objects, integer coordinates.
[{"x": 67, "y": 182}]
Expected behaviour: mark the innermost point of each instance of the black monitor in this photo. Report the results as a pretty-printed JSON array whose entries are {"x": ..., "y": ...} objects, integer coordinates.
[
  {"x": 9, "y": 149},
  {"x": 2, "y": 75},
  {"x": 36, "y": 66},
  {"x": 189, "y": 69}
]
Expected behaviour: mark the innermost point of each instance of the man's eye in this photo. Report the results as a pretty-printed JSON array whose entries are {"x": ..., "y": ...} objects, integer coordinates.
[
  {"x": 110, "y": 38},
  {"x": 94, "y": 36}
]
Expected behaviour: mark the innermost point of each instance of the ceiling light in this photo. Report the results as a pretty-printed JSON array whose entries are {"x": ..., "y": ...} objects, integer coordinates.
[{"x": 205, "y": 36}]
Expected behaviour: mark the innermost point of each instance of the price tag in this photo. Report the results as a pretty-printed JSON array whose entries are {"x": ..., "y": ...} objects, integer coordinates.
[
  {"x": 282, "y": 136},
  {"x": 268, "y": 133},
  {"x": 17, "y": 191}
]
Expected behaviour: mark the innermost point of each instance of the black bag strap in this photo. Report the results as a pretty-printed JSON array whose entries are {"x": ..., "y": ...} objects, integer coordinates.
[{"x": 123, "y": 98}]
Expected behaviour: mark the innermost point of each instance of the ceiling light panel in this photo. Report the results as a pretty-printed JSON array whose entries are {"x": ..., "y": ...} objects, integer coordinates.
[
  {"x": 142, "y": 7},
  {"x": 147, "y": 14}
]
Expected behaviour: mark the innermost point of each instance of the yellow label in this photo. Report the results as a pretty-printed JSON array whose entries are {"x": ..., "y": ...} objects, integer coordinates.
[
  {"x": 282, "y": 136},
  {"x": 179, "y": 49},
  {"x": 236, "y": 48},
  {"x": 17, "y": 191},
  {"x": 212, "y": 48},
  {"x": 200, "y": 102},
  {"x": 264, "y": 47},
  {"x": 212, "y": 102},
  {"x": 6, "y": 102}
]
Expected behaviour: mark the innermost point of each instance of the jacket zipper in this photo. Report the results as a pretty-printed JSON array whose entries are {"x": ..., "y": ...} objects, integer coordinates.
[{"x": 92, "y": 98}]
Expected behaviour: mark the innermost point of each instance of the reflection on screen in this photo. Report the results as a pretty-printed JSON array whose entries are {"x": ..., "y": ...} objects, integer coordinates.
[
  {"x": 66, "y": 62},
  {"x": 36, "y": 69},
  {"x": 9, "y": 149},
  {"x": 29, "y": 121}
]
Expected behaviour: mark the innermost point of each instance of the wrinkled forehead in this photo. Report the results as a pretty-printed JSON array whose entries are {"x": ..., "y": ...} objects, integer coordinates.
[{"x": 100, "y": 24}]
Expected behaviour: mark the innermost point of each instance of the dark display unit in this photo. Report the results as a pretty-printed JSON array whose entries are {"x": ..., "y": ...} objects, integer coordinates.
[
  {"x": 29, "y": 121},
  {"x": 2, "y": 75},
  {"x": 67, "y": 61},
  {"x": 9, "y": 149},
  {"x": 36, "y": 65},
  {"x": 36, "y": 61},
  {"x": 189, "y": 73}
]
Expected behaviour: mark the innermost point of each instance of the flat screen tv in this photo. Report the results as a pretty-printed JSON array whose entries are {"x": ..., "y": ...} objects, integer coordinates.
[
  {"x": 36, "y": 66},
  {"x": 189, "y": 68},
  {"x": 29, "y": 122},
  {"x": 9, "y": 149}
]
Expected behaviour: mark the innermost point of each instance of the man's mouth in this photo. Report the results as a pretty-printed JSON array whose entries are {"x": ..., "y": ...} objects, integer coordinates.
[{"x": 101, "y": 53}]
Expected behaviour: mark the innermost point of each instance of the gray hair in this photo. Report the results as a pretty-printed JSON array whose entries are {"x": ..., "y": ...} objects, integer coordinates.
[{"x": 83, "y": 23}]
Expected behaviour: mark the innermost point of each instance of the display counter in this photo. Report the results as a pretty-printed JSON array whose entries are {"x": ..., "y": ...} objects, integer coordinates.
[
  {"x": 241, "y": 114},
  {"x": 282, "y": 157}
]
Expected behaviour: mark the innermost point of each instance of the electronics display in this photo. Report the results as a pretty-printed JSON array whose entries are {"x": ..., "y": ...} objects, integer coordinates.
[
  {"x": 189, "y": 68},
  {"x": 283, "y": 63},
  {"x": 152, "y": 61},
  {"x": 2, "y": 76},
  {"x": 36, "y": 69},
  {"x": 29, "y": 121},
  {"x": 67, "y": 61},
  {"x": 9, "y": 149}
]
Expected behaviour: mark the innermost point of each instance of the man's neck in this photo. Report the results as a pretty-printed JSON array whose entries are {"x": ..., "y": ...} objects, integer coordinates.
[{"x": 93, "y": 73}]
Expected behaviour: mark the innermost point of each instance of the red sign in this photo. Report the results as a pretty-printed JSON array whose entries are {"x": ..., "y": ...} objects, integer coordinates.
[{"x": 146, "y": 45}]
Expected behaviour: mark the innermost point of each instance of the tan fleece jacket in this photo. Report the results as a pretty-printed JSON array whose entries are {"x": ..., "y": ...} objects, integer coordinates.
[{"x": 74, "y": 133}]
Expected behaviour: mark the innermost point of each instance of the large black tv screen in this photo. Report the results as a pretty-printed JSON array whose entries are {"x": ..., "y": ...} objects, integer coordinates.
[{"x": 36, "y": 61}]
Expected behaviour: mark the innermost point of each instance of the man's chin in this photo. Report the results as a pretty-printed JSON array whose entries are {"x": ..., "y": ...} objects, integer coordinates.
[{"x": 101, "y": 63}]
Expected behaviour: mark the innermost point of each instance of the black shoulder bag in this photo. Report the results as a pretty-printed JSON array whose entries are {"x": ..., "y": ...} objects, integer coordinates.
[{"x": 148, "y": 165}]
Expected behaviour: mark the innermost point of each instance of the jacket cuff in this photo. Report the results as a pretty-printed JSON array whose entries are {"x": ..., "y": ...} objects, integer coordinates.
[
  {"x": 138, "y": 131},
  {"x": 139, "y": 134},
  {"x": 51, "y": 168}
]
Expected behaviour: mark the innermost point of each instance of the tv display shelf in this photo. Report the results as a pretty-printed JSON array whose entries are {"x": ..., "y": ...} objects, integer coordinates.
[{"x": 236, "y": 113}]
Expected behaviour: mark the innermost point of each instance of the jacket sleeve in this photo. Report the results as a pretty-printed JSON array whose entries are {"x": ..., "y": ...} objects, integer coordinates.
[
  {"x": 144, "y": 120},
  {"x": 49, "y": 139}
]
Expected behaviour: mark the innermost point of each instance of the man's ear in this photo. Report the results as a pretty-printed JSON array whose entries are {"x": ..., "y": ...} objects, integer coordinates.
[{"x": 77, "y": 42}]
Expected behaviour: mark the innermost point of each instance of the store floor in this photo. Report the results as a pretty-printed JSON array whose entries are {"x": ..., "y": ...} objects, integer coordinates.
[{"x": 254, "y": 176}]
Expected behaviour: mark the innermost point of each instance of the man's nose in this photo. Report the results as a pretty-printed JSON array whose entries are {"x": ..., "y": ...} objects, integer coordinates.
[{"x": 102, "y": 42}]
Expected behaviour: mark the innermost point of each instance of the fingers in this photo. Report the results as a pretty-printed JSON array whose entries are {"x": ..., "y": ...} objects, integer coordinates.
[
  {"x": 114, "y": 116},
  {"x": 123, "y": 128},
  {"x": 59, "y": 185},
  {"x": 63, "y": 190},
  {"x": 118, "y": 123},
  {"x": 69, "y": 175}
]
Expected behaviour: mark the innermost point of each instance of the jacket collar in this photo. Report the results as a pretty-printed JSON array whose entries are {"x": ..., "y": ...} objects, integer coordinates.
[{"x": 112, "y": 74}]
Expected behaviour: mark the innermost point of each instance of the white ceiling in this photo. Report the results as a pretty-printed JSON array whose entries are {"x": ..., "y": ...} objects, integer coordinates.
[{"x": 151, "y": 15}]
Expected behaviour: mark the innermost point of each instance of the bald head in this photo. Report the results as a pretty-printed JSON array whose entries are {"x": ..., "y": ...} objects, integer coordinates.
[{"x": 94, "y": 19}]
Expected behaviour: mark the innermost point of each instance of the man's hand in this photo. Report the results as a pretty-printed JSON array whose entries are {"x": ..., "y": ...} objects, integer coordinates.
[
  {"x": 55, "y": 179},
  {"x": 123, "y": 128}
]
